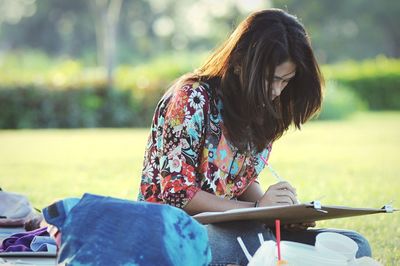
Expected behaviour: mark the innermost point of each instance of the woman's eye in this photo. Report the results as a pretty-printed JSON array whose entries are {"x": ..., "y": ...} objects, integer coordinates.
[{"x": 287, "y": 81}]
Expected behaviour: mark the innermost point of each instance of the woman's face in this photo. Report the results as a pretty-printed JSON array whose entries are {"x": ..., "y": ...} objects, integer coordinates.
[{"x": 283, "y": 74}]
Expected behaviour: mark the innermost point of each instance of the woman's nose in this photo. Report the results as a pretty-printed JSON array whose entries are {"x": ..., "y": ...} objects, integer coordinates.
[
  {"x": 282, "y": 85},
  {"x": 278, "y": 88}
]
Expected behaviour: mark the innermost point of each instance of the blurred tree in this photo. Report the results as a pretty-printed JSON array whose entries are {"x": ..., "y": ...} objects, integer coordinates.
[
  {"x": 339, "y": 29},
  {"x": 57, "y": 27},
  {"x": 386, "y": 17},
  {"x": 344, "y": 29},
  {"x": 107, "y": 14},
  {"x": 12, "y": 12}
]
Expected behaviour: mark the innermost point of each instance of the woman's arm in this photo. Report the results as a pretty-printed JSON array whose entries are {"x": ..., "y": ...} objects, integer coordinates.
[
  {"x": 253, "y": 193},
  {"x": 207, "y": 202},
  {"x": 281, "y": 193}
]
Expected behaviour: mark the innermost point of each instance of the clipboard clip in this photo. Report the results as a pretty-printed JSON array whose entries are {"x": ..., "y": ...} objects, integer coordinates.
[
  {"x": 388, "y": 208},
  {"x": 316, "y": 204}
]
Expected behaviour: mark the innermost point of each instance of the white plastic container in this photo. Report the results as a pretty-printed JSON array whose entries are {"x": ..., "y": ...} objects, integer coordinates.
[
  {"x": 265, "y": 255},
  {"x": 298, "y": 254},
  {"x": 331, "y": 249},
  {"x": 339, "y": 244}
]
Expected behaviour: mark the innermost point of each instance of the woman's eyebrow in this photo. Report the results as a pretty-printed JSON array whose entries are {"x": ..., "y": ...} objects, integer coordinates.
[
  {"x": 278, "y": 77},
  {"x": 285, "y": 79}
]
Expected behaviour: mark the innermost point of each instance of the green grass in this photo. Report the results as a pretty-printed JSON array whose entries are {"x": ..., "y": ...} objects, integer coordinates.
[{"x": 353, "y": 162}]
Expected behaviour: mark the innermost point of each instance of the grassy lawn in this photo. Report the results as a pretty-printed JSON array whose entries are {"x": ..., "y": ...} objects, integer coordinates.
[{"x": 353, "y": 162}]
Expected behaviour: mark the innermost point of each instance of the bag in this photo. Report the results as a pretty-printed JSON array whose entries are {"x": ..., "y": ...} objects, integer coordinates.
[
  {"x": 15, "y": 209},
  {"x": 97, "y": 230}
]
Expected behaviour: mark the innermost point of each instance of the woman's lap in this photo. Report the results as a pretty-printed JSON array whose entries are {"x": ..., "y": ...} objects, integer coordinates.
[
  {"x": 226, "y": 249},
  {"x": 308, "y": 237}
]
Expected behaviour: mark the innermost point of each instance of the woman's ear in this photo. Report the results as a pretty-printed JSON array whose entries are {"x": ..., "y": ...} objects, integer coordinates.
[
  {"x": 237, "y": 69},
  {"x": 237, "y": 64}
]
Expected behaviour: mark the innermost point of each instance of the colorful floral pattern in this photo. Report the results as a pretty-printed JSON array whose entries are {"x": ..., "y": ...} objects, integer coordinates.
[{"x": 187, "y": 150}]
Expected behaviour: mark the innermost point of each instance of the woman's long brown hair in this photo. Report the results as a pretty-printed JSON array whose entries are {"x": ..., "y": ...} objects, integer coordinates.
[{"x": 246, "y": 60}]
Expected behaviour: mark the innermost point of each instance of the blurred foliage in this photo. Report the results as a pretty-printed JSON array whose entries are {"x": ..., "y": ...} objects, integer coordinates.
[
  {"x": 66, "y": 95},
  {"x": 146, "y": 28},
  {"x": 339, "y": 30},
  {"x": 51, "y": 74},
  {"x": 375, "y": 81},
  {"x": 342, "y": 30},
  {"x": 30, "y": 107},
  {"x": 69, "y": 95},
  {"x": 339, "y": 102}
]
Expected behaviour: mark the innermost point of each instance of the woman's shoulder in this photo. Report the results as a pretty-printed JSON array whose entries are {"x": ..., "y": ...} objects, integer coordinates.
[
  {"x": 189, "y": 86},
  {"x": 189, "y": 83}
]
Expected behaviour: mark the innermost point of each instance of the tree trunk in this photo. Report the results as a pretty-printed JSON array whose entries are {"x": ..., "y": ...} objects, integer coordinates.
[{"x": 106, "y": 21}]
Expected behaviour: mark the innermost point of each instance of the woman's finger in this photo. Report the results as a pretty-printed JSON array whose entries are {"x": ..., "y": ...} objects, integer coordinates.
[
  {"x": 283, "y": 185},
  {"x": 280, "y": 203},
  {"x": 309, "y": 224},
  {"x": 295, "y": 227},
  {"x": 279, "y": 194},
  {"x": 284, "y": 199},
  {"x": 286, "y": 194},
  {"x": 299, "y": 226}
]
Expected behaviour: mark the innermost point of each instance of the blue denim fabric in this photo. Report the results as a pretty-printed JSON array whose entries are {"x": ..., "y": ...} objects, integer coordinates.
[
  {"x": 224, "y": 245},
  {"x": 108, "y": 231},
  {"x": 43, "y": 243},
  {"x": 58, "y": 211},
  {"x": 226, "y": 250}
]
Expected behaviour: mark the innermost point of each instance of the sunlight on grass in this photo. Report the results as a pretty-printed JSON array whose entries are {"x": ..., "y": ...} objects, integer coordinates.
[
  {"x": 49, "y": 164},
  {"x": 353, "y": 162}
]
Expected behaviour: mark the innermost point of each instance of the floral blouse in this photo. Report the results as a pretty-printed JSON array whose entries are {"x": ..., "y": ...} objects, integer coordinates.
[{"x": 187, "y": 150}]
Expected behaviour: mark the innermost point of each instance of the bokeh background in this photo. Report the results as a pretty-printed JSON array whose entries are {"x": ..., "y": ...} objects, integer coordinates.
[
  {"x": 69, "y": 64},
  {"x": 79, "y": 81}
]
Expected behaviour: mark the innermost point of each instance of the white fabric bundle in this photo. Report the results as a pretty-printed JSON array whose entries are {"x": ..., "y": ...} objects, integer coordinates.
[{"x": 14, "y": 209}]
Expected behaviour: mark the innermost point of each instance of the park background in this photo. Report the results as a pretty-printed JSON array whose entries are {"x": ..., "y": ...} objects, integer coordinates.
[{"x": 79, "y": 81}]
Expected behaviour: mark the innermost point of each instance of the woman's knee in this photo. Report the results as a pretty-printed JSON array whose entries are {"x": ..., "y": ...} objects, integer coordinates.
[
  {"x": 224, "y": 245},
  {"x": 364, "y": 249}
]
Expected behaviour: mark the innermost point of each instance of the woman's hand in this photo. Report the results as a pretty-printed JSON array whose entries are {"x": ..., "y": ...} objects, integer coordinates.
[
  {"x": 299, "y": 226},
  {"x": 281, "y": 193},
  {"x": 34, "y": 222}
]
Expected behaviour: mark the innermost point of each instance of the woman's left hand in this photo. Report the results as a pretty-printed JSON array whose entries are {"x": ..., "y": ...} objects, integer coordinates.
[{"x": 299, "y": 226}]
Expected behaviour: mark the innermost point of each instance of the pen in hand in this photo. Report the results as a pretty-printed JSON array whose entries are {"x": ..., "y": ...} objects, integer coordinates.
[{"x": 275, "y": 174}]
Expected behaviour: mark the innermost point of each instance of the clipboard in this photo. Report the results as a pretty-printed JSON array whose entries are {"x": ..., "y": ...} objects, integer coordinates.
[{"x": 297, "y": 213}]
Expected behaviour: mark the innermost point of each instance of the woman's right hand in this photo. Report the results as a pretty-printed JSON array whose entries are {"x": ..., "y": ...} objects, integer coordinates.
[{"x": 281, "y": 193}]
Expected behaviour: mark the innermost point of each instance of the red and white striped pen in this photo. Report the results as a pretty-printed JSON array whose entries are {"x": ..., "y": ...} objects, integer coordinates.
[{"x": 274, "y": 173}]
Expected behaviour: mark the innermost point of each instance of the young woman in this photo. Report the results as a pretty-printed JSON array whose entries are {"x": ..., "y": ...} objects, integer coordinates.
[{"x": 213, "y": 130}]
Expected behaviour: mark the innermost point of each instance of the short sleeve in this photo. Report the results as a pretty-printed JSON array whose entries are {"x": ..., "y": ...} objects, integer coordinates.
[{"x": 182, "y": 141}]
